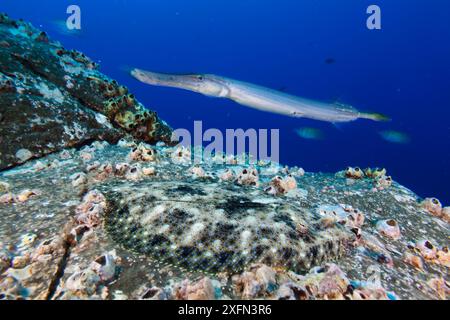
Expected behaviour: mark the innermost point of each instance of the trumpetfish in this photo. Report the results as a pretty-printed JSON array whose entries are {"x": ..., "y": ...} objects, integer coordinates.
[{"x": 257, "y": 97}]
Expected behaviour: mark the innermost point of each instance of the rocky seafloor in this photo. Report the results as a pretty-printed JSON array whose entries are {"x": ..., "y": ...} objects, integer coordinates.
[
  {"x": 95, "y": 203},
  {"x": 135, "y": 221}
]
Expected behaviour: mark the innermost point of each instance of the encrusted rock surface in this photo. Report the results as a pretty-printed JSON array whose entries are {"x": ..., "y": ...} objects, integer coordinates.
[
  {"x": 97, "y": 227},
  {"x": 52, "y": 98}
]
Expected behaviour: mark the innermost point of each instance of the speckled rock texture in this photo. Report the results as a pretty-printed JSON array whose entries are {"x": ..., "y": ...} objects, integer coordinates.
[{"x": 52, "y": 98}]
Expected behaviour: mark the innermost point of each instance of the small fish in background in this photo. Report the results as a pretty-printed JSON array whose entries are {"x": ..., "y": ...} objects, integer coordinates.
[
  {"x": 310, "y": 133},
  {"x": 330, "y": 61},
  {"x": 60, "y": 26},
  {"x": 395, "y": 136}
]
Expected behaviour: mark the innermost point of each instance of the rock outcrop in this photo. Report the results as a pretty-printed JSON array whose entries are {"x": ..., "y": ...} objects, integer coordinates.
[{"x": 52, "y": 98}]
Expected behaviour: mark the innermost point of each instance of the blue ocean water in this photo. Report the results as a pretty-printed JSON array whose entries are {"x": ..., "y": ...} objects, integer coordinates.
[{"x": 402, "y": 70}]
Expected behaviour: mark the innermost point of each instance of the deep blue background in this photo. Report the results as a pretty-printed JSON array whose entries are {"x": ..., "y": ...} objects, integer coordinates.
[{"x": 402, "y": 70}]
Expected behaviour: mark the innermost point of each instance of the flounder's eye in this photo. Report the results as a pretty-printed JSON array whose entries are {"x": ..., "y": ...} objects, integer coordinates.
[{"x": 200, "y": 78}]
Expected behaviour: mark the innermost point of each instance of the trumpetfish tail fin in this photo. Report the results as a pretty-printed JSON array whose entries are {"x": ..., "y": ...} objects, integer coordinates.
[{"x": 374, "y": 116}]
